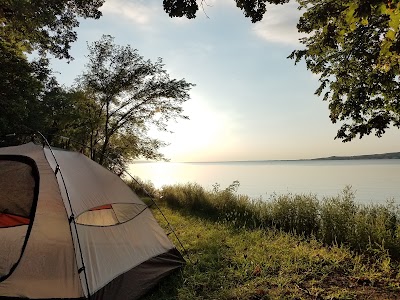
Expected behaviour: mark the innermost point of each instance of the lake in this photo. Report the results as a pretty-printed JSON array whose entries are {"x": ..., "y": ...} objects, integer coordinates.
[{"x": 373, "y": 180}]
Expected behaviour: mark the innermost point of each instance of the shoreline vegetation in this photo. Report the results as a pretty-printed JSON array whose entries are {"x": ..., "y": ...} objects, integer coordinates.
[{"x": 288, "y": 247}]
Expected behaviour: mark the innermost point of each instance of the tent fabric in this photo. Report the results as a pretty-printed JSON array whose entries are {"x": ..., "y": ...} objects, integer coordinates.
[
  {"x": 48, "y": 267},
  {"x": 136, "y": 282},
  {"x": 113, "y": 249},
  {"x": 89, "y": 185},
  {"x": 10, "y": 220},
  {"x": 16, "y": 236}
]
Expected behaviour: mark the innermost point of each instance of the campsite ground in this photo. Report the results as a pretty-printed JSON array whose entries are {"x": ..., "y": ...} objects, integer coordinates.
[{"x": 229, "y": 262}]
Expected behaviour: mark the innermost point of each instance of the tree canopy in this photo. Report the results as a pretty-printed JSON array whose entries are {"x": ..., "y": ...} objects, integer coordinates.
[
  {"x": 253, "y": 9},
  {"x": 45, "y": 26},
  {"x": 22, "y": 87},
  {"x": 26, "y": 84},
  {"x": 354, "y": 48}
]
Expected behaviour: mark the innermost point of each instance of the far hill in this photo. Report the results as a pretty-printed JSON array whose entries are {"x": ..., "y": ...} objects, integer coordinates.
[{"x": 393, "y": 155}]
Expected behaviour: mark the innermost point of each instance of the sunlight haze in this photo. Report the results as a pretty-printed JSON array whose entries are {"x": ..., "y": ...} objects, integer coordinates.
[{"x": 250, "y": 102}]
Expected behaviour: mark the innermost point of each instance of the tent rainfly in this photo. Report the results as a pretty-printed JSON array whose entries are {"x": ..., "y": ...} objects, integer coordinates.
[{"x": 70, "y": 229}]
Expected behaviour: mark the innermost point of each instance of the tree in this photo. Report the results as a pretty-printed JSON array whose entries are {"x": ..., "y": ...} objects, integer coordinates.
[
  {"x": 46, "y": 26},
  {"x": 132, "y": 95},
  {"x": 22, "y": 85},
  {"x": 354, "y": 46},
  {"x": 68, "y": 115},
  {"x": 355, "y": 49},
  {"x": 253, "y": 9},
  {"x": 26, "y": 26}
]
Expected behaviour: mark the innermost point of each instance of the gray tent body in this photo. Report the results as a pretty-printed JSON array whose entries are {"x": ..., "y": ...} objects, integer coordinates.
[{"x": 70, "y": 229}]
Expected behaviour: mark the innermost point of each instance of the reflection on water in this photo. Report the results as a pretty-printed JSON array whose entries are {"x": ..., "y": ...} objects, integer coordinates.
[{"x": 372, "y": 180}]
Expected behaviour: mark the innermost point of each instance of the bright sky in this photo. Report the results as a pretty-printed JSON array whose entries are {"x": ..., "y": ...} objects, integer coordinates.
[{"x": 250, "y": 102}]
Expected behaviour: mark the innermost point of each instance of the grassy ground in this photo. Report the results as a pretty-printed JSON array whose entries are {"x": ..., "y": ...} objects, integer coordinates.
[{"x": 233, "y": 262}]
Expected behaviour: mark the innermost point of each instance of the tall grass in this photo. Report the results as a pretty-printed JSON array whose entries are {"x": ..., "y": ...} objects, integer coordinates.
[
  {"x": 339, "y": 220},
  {"x": 143, "y": 188}
]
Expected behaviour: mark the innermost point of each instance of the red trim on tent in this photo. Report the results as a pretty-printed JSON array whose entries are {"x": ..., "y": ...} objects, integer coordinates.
[
  {"x": 7, "y": 220},
  {"x": 106, "y": 206}
]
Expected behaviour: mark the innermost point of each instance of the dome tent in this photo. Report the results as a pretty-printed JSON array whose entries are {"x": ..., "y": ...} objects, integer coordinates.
[{"x": 70, "y": 229}]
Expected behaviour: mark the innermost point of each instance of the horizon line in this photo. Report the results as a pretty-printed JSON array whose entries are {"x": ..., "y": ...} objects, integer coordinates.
[{"x": 333, "y": 157}]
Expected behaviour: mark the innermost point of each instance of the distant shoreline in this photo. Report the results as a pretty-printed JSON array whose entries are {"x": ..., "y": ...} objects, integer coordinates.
[{"x": 392, "y": 155}]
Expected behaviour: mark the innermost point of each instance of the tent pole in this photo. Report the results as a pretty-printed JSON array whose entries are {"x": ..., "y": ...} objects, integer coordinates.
[{"x": 162, "y": 213}]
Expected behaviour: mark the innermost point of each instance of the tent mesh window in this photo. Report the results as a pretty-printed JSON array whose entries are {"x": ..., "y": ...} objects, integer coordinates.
[
  {"x": 18, "y": 197},
  {"x": 110, "y": 214}
]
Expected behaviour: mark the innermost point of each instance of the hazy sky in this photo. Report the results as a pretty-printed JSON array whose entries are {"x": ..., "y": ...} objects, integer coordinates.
[{"x": 250, "y": 101}]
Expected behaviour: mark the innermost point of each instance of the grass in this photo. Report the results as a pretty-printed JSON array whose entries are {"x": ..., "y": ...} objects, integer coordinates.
[
  {"x": 367, "y": 229},
  {"x": 289, "y": 247},
  {"x": 238, "y": 262}
]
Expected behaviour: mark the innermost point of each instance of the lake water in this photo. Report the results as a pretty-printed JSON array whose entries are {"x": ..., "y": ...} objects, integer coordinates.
[{"x": 374, "y": 181}]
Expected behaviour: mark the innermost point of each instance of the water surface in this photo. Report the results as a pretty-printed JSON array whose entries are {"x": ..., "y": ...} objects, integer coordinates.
[{"x": 373, "y": 180}]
